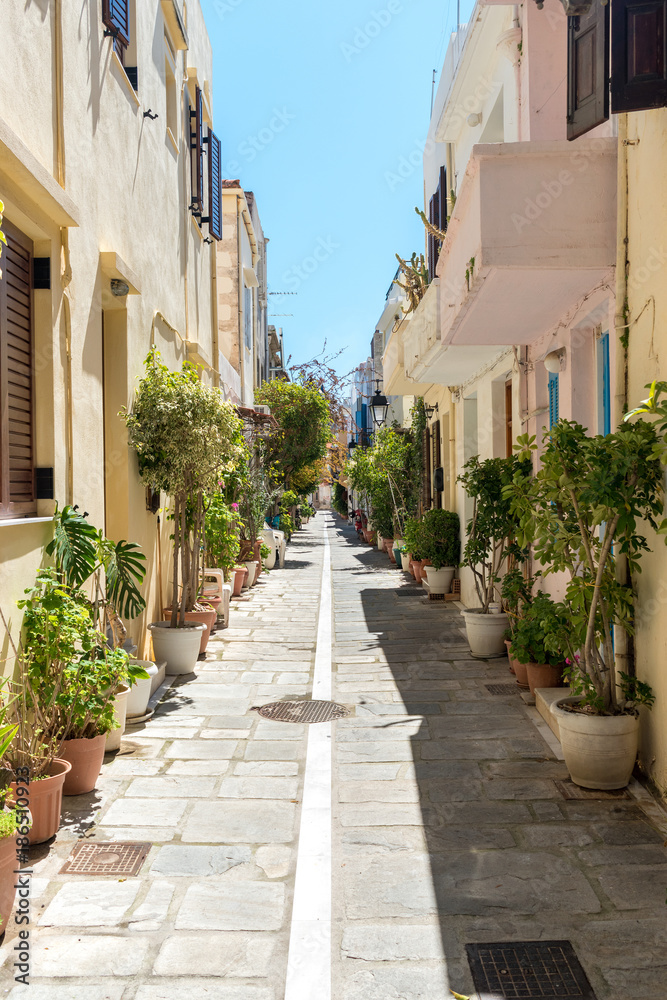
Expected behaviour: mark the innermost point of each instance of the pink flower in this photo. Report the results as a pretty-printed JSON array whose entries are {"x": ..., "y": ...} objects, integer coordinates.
[{"x": 235, "y": 506}]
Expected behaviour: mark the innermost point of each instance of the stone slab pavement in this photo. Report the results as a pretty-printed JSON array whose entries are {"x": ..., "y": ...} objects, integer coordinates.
[{"x": 448, "y": 826}]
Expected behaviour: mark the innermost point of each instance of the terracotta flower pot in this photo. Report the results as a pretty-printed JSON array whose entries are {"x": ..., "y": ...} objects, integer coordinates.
[
  {"x": 86, "y": 757},
  {"x": 541, "y": 675},
  {"x": 411, "y": 569},
  {"x": 45, "y": 798},
  {"x": 508, "y": 643},
  {"x": 240, "y": 573},
  {"x": 257, "y": 556},
  {"x": 417, "y": 570},
  {"x": 8, "y": 865},
  {"x": 521, "y": 671},
  {"x": 388, "y": 544},
  {"x": 207, "y": 618}
]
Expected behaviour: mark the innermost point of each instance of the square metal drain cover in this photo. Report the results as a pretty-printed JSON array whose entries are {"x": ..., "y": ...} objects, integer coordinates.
[
  {"x": 502, "y": 688},
  {"x": 528, "y": 970},
  {"x": 569, "y": 790},
  {"x": 411, "y": 592},
  {"x": 91, "y": 857},
  {"x": 303, "y": 711}
]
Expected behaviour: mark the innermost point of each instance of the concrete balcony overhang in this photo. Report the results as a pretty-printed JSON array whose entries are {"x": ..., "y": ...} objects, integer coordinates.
[
  {"x": 532, "y": 232},
  {"x": 394, "y": 380}
]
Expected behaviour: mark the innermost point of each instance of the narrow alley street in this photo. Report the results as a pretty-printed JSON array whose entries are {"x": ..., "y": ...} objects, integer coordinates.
[{"x": 351, "y": 860}]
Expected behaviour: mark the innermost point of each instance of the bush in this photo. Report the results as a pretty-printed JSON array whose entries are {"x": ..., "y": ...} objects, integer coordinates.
[
  {"x": 440, "y": 538},
  {"x": 542, "y": 619},
  {"x": 413, "y": 537}
]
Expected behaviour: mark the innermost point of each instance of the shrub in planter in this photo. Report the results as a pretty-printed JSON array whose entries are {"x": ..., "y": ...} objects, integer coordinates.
[
  {"x": 440, "y": 539},
  {"x": 541, "y": 621},
  {"x": 223, "y": 534},
  {"x": 490, "y": 532},
  {"x": 581, "y": 511},
  {"x": 186, "y": 438},
  {"x": 413, "y": 537}
]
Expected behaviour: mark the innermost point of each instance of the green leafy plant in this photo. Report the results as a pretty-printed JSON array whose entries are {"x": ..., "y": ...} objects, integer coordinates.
[
  {"x": 391, "y": 456},
  {"x": 255, "y": 500},
  {"x": 493, "y": 523},
  {"x": 186, "y": 438},
  {"x": 339, "y": 499},
  {"x": 413, "y": 535},
  {"x": 581, "y": 511},
  {"x": 537, "y": 633},
  {"x": 304, "y": 428},
  {"x": 82, "y": 553},
  {"x": 223, "y": 534},
  {"x": 440, "y": 538}
]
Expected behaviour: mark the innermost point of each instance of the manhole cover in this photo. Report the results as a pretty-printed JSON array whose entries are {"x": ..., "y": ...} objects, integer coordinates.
[
  {"x": 528, "y": 970},
  {"x": 569, "y": 790},
  {"x": 303, "y": 711},
  {"x": 98, "y": 858},
  {"x": 502, "y": 688}
]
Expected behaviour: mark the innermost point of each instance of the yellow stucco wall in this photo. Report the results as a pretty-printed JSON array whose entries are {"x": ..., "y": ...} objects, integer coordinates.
[
  {"x": 127, "y": 185},
  {"x": 647, "y": 294}
]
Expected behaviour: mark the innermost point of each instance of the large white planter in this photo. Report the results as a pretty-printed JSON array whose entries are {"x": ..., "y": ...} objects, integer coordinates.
[
  {"x": 268, "y": 536},
  {"x": 405, "y": 561},
  {"x": 485, "y": 633},
  {"x": 178, "y": 647},
  {"x": 380, "y": 543},
  {"x": 599, "y": 750},
  {"x": 252, "y": 572},
  {"x": 140, "y": 692},
  {"x": 119, "y": 714},
  {"x": 440, "y": 580}
]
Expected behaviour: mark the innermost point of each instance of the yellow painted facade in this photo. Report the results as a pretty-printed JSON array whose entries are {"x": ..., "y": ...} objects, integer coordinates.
[
  {"x": 643, "y": 171},
  {"x": 103, "y": 191}
]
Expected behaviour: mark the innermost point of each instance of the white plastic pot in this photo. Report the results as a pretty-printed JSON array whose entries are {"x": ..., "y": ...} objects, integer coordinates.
[
  {"x": 119, "y": 714},
  {"x": 380, "y": 543},
  {"x": 178, "y": 647},
  {"x": 252, "y": 572},
  {"x": 405, "y": 561},
  {"x": 269, "y": 538},
  {"x": 140, "y": 692},
  {"x": 440, "y": 580},
  {"x": 486, "y": 633},
  {"x": 599, "y": 750}
]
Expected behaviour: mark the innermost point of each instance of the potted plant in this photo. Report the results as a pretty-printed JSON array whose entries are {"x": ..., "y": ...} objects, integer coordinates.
[
  {"x": 581, "y": 511},
  {"x": 440, "y": 543},
  {"x": 186, "y": 437},
  {"x": 14, "y": 819},
  {"x": 530, "y": 645},
  {"x": 490, "y": 531}
]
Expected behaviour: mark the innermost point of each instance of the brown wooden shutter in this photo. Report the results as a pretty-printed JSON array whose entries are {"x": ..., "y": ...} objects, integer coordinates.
[
  {"x": 509, "y": 434},
  {"x": 437, "y": 461},
  {"x": 17, "y": 494},
  {"x": 431, "y": 241},
  {"x": 638, "y": 55},
  {"x": 442, "y": 196},
  {"x": 116, "y": 17},
  {"x": 587, "y": 70},
  {"x": 214, "y": 186}
]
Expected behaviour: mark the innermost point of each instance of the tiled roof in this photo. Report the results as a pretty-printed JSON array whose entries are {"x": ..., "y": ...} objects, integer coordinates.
[{"x": 231, "y": 183}]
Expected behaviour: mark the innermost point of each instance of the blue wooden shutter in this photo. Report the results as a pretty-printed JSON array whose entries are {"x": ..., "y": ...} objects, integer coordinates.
[
  {"x": 214, "y": 186},
  {"x": 604, "y": 386},
  {"x": 553, "y": 399},
  {"x": 116, "y": 17}
]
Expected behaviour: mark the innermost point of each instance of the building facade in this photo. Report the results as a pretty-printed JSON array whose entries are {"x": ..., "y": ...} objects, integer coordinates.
[{"x": 111, "y": 185}]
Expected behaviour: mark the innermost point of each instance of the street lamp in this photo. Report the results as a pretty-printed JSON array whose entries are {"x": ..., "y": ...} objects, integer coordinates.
[
  {"x": 351, "y": 446},
  {"x": 379, "y": 406}
]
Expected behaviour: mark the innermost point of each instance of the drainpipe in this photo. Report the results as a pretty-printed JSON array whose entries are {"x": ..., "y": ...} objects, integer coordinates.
[
  {"x": 239, "y": 218},
  {"x": 59, "y": 91},
  {"x": 516, "y": 23},
  {"x": 624, "y": 643}
]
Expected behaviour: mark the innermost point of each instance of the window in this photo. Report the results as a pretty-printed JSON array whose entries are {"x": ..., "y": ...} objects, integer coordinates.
[
  {"x": 553, "y": 399},
  {"x": 17, "y": 493},
  {"x": 247, "y": 316},
  {"x": 197, "y": 154},
  {"x": 587, "y": 70},
  {"x": 171, "y": 94},
  {"x": 604, "y": 387},
  {"x": 438, "y": 483},
  {"x": 116, "y": 19},
  {"x": 437, "y": 216}
]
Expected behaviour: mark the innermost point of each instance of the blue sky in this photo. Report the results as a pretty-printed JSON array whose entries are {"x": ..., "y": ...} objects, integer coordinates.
[{"x": 317, "y": 110}]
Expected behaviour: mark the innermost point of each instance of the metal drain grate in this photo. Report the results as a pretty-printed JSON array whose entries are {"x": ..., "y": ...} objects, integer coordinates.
[
  {"x": 98, "y": 858},
  {"x": 303, "y": 711},
  {"x": 411, "y": 592},
  {"x": 569, "y": 790},
  {"x": 502, "y": 688},
  {"x": 528, "y": 970}
]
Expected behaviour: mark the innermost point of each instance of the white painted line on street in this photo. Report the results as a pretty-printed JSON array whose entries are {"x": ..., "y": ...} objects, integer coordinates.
[{"x": 309, "y": 960}]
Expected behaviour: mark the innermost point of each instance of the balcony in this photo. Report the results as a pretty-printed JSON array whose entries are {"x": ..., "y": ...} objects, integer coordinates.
[{"x": 532, "y": 232}]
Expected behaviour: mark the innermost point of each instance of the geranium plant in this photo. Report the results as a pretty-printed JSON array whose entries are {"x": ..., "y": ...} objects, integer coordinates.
[
  {"x": 186, "y": 437},
  {"x": 581, "y": 511}
]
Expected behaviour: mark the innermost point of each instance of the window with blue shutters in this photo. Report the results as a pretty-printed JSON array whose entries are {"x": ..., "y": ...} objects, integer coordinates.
[
  {"x": 604, "y": 385},
  {"x": 553, "y": 399}
]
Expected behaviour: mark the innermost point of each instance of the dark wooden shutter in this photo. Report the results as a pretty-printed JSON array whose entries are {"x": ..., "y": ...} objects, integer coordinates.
[
  {"x": 431, "y": 240},
  {"x": 442, "y": 199},
  {"x": 437, "y": 462},
  {"x": 17, "y": 495},
  {"x": 116, "y": 17},
  {"x": 197, "y": 152},
  {"x": 509, "y": 435},
  {"x": 638, "y": 55},
  {"x": 587, "y": 70},
  {"x": 214, "y": 186}
]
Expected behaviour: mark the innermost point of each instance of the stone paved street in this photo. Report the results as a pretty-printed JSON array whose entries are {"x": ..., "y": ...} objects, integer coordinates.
[{"x": 448, "y": 827}]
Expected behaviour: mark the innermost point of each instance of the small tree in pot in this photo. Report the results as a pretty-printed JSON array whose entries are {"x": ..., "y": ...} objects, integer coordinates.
[
  {"x": 490, "y": 532},
  {"x": 186, "y": 437},
  {"x": 581, "y": 511},
  {"x": 440, "y": 543}
]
